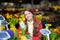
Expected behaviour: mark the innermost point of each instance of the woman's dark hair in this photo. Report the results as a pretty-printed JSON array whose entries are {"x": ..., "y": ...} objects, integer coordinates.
[{"x": 30, "y": 10}]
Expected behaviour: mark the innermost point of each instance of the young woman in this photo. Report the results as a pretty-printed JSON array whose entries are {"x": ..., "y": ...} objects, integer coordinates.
[{"x": 33, "y": 25}]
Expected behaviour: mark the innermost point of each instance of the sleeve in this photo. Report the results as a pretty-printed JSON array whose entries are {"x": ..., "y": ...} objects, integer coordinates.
[
  {"x": 39, "y": 33},
  {"x": 40, "y": 24},
  {"x": 39, "y": 28}
]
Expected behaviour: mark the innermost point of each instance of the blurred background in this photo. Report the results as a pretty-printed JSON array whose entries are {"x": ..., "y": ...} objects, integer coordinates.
[
  {"x": 48, "y": 8},
  {"x": 48, "y": 11}
]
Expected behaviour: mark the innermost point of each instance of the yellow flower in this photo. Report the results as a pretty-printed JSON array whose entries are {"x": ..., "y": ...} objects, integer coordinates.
[
  {"x": 56, "y": 7},
  {"x": 23, "y": 37},
  {"x": 22, "y": 15},
  {"x": 15, "y": 15},
  {"x": 20, "y": 19},
  {"x": 8, "y": 16},
  {"x": 49, "y": 24},
  {"x": 2, "y": 27}
]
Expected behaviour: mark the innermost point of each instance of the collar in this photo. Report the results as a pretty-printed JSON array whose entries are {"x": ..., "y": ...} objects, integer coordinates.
[{"x": 30, "y": 22}]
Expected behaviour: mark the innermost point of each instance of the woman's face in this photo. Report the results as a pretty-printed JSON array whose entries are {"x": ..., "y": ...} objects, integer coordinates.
[{"x": 28, "y": 15}]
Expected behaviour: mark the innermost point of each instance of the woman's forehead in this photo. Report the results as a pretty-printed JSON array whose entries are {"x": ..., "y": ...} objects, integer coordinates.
[{"x": 26, "y": 12}]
